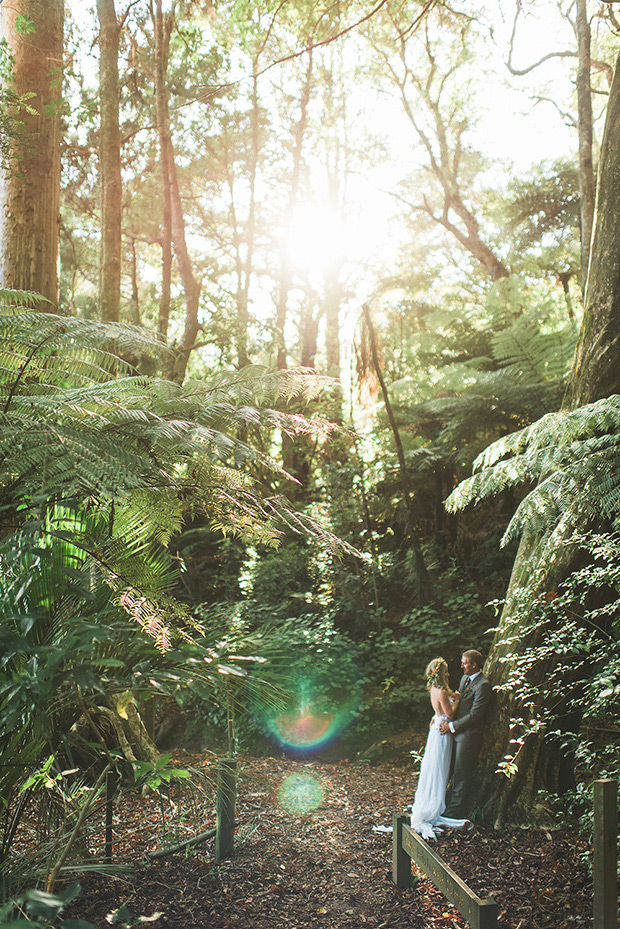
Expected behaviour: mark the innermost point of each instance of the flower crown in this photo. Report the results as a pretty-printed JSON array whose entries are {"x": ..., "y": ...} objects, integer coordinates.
[{"x": 433, "y": 676}]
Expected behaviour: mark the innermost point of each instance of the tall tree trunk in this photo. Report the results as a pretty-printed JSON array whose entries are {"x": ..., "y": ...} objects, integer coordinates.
[
  {"x": 163, "y": 28},
  {"x": 286, "y": 271},
  {"x": 422, "y": 578},
  {"x": 333, "y": 287},
  {"x": 136, "y": 318},
  {"x": 109, "y": 163},
  {"x": 541, "y": 764},
  {"x": 298, "y": 450},
  {"x": 191, "y": 286},
  {"x": 247, "y": 262},
  {"x": 587, "y": 192},
  {"x": 30, "y": 188}
]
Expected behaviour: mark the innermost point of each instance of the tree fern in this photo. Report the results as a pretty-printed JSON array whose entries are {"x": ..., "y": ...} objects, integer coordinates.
[
  {"x": 74, "y": 419},
  {"x": 524, "y": 352},
  {"x": 574, "y": 459}
]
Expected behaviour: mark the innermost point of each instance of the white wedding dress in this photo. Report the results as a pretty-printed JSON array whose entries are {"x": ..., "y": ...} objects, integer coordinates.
[{"x": 430, "y": 795}]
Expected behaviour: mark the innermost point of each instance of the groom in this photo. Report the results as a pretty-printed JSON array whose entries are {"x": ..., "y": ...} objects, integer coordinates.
[{"x": 468, "y": 727}]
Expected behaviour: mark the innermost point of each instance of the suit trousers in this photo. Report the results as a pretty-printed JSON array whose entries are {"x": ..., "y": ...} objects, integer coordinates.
[{"x": 465, "y": 756}]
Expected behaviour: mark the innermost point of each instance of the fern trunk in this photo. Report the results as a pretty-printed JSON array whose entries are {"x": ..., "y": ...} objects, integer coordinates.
[
  {"x": 538, "y": 570},
  {"x": 30, "y": 187}
]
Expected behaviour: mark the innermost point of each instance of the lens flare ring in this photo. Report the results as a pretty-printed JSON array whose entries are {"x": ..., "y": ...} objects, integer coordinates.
[
  {"x": 300, "y": 793},
  {"x": 306, "y": 724}
]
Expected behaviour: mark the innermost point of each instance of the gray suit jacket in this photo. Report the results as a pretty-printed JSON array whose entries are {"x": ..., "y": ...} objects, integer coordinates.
[{"x": 470, "y": 719}]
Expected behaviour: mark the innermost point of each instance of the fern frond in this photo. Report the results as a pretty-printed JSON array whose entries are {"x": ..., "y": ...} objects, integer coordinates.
[
  {"x": 526, "y": 352},
  {"x": 573, "y": 456},
  {"x": 19, "y": 298}
]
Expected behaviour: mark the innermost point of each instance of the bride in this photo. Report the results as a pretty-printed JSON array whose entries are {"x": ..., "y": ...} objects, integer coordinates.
[{"x": 430, "y": 796}]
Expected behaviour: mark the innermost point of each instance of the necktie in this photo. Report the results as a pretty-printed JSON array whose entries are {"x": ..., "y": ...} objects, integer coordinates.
[{"x": 467, "y": 682}]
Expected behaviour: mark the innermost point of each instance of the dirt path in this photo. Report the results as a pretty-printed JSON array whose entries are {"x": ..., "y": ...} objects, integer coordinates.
[{"x": 306, "y": 856}]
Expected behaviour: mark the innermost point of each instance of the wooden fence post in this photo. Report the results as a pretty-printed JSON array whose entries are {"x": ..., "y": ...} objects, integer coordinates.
[
  {"x": 605, "y": 854},
  {"x": 401, "y": 862},
  {"x": 225, "y": 807},
  {"x": 110, "y": 791}
]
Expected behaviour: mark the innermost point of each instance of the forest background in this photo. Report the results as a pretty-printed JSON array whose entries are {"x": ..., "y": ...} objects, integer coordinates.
[{"x": 312, "y": 261}]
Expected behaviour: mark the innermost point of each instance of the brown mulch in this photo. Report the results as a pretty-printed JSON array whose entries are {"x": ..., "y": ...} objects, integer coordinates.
[{"x": 325, "y": 867}]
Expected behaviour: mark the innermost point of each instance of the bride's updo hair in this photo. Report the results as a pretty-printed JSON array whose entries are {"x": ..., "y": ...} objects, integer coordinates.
[{"x": 436, "y": 672}]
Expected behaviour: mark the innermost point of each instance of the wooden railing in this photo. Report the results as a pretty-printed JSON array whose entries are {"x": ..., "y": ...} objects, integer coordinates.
[
  {"x": 408, "y": 846},
  {"x": 605, "y": 864}
]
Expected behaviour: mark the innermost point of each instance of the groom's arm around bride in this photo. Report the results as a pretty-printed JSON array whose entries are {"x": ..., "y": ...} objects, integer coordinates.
[{"x": 468, "y": 726}]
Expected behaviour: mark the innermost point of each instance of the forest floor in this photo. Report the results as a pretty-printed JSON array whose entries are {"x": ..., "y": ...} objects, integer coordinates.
[{"x": 324, "y": 867}]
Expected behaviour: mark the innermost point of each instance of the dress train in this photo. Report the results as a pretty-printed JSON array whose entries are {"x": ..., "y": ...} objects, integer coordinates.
[{"x": 430, "y": 796}]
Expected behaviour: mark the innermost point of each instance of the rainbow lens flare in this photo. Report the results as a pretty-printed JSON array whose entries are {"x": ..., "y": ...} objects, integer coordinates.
[
  {"x": 300, "y": 793},
  {"x": 305, "y": 724}
]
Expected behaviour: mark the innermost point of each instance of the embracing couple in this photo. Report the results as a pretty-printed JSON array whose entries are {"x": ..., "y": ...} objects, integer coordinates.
[{"x": 452, "y": 747}]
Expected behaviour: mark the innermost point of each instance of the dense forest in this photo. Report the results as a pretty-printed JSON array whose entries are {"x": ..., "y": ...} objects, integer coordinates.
[{"x": 309, "y": 374}]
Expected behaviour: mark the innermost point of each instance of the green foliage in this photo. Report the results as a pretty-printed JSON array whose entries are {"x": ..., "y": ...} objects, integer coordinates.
[
  {"x": 282, "y": 580},
  {"x": 11, "y": 103},
  {"x": 41, "y": 909},
  {"x": 571, "y": 634},
  {"x": 75, "y": 421},
  {"x": 394, "y": 658},
  {"x": 304, "y": 659},
  {"x": 545, "y": 204},
  {"x": 154, "y": 775},
  {"x": 24, "y": 25},
  {"x": 573, "y": 456}
]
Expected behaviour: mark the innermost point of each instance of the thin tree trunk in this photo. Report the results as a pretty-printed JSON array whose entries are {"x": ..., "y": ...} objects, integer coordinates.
[
  {"x": 30, "y": 186},
  {"x": 191, "y": 286},
  {"x": 243, "y": 291},
  {"x": 135, "y": 293},
  {"x": 163, "y": 29},
  {"x": 333, "y": 287},
  {"x": 286, "y": 272},
  {"x": 109, "y": 163},
  {"x": 587, "y": 190},
  {"x": 423, "y": 580}
]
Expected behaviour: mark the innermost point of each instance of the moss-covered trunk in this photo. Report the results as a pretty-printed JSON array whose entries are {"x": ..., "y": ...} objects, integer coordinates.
[{"x": 542, "y": 562}]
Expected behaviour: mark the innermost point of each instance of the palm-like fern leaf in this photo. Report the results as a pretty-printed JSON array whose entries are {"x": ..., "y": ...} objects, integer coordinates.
[
  {"x": 573, "y": 456},
  {"x": 529, "y": 354},
  {"x": 74, "y": 420}
]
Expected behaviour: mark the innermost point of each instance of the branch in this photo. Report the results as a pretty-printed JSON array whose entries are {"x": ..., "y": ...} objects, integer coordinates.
[
  {"x": 520, "y": 71},
  {"x": 293, "y": 55}
]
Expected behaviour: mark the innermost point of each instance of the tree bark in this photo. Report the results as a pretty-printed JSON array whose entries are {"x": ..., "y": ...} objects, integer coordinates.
[
  {"x": 191, "y": 286},
  {"x": 163, "y": 29},
  {"x": 110, "y": 163},
  {"x": 596, "y": 365},
  {"x": 540, "y": 763},
  {"x": 30, "y": 187},
  {"x": 587, "y": 190}
]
